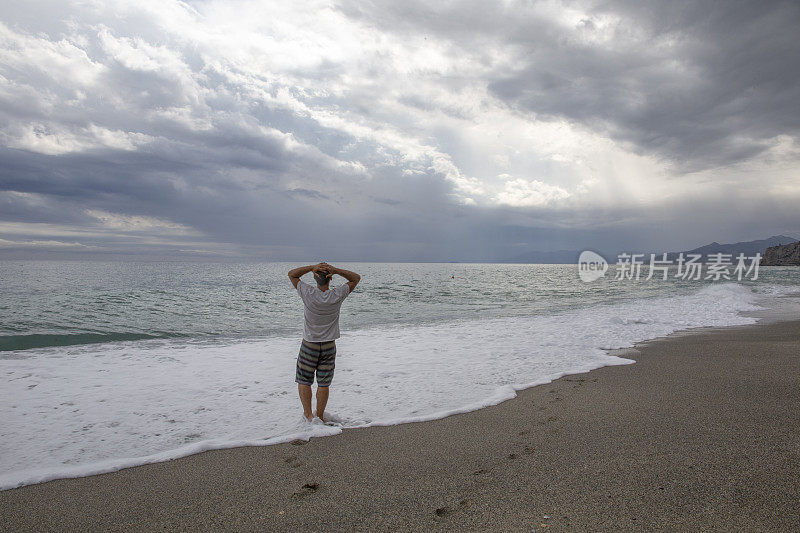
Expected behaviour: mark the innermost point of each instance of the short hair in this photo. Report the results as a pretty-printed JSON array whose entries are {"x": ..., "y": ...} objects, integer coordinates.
[{"x": 322, "y": 280}]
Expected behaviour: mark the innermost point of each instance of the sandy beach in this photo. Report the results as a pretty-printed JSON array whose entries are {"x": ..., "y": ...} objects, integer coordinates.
[{"x": 701, "y": 433}]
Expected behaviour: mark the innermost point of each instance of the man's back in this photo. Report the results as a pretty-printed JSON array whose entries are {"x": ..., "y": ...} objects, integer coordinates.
[{"x": 321, "y": 314}]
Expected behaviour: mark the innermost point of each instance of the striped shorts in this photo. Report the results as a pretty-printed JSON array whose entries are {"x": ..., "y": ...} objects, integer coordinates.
[{"x": 316, "y": 357}]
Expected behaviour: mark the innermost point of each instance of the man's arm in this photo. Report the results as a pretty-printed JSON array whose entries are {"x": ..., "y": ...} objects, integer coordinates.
[
  {"x": 296, "y": 273},
  {"x": 351, "y": 277}
]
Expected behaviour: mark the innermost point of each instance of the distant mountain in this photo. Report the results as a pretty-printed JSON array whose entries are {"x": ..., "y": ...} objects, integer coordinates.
[
  {"x": 748, "y": 248},
  {"x": 788, "y": 254}
]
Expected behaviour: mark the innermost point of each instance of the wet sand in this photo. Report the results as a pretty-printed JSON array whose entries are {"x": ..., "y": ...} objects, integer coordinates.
[{"x": 701, "y": 433}]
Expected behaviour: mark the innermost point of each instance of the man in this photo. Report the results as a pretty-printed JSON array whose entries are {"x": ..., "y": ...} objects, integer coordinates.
[{"x": 320, "y": 331}]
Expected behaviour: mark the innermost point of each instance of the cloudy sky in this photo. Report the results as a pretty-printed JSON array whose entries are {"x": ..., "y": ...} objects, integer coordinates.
[{"x": 411, "y": 130}]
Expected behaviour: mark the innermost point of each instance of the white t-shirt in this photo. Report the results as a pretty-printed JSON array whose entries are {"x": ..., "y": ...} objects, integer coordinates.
[{"x": 321, "y": 317}]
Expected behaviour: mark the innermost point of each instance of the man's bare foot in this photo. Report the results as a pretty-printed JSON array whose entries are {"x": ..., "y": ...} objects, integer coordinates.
[{"x": 308, "y": 417}]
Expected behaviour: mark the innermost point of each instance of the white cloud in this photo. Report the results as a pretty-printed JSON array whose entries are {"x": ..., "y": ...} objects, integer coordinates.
[
  {"x": 58, "y": 139},
  {"x": 5, "y": 243},
  {"x": 63, "y": 60},
  {"x": 133, "y": 223},
  {"x": 530, "y": 193}
]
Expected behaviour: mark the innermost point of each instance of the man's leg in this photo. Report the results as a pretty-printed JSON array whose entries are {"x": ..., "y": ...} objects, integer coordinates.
[
  {"x": 322, "y": 401},
  {"x": 327, "y": 362},
  {"x": 305, "y": 399},
  {"x": 307, "y": 361}
]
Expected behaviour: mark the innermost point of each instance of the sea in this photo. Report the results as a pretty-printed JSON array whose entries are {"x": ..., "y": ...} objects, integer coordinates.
[{"x": 107, "y": 365}]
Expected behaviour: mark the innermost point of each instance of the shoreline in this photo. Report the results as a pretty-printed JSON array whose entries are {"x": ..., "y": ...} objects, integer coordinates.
[
  {"x": 593, "y": 346},
  {"x": 588, "y": 450}
]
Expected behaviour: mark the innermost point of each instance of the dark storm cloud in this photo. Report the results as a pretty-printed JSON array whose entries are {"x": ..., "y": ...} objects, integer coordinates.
[
  {"x": 126, "y": 132},
  {"x": 237, "y": 170},
  {"x": 699, "y": 83}
]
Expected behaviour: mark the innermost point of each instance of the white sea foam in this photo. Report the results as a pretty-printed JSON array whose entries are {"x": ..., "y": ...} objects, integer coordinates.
[{"x": 76, "y": 411}]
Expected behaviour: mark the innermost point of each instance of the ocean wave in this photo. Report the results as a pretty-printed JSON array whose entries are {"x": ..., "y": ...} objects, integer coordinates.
[
  {"x": 43, "y": 340},
  {"x": 99, "y": 408}
]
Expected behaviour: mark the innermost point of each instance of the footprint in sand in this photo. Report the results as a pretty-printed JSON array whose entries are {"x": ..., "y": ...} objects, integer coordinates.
[
  {"x": 445, "y": 510},
  {"x": 308, "y": 488},
  {"x": 549, "y": 419},
  {"x": 579, "y": 382},
  {"x": 293, "y": 461}
]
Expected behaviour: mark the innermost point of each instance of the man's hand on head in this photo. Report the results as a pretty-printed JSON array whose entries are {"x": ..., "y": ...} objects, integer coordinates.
[{"x": 324, "y": 268}]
